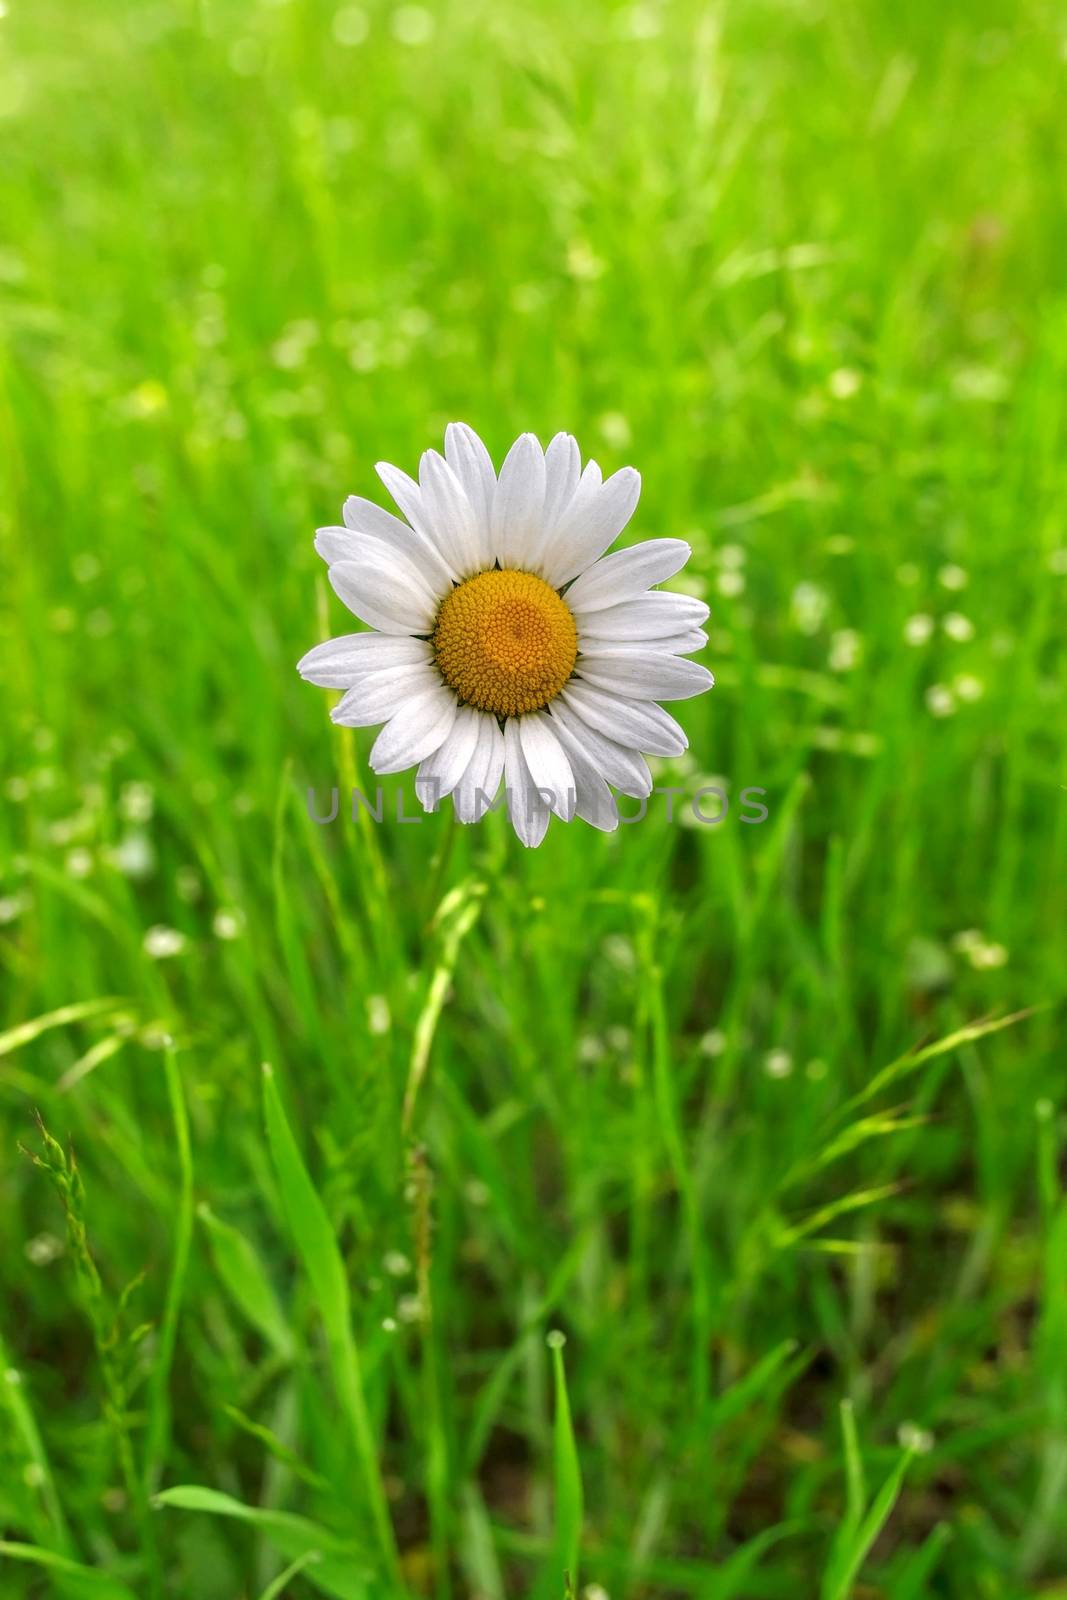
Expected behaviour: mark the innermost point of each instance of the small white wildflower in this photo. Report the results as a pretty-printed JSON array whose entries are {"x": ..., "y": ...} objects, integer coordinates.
[
  {"x": 712, "y": 1043},
  {"x": 12, "y": 906},
  {"x": 732, "y": 557},
  {"x": 595, "y": 1591},
  {"x": 17, "y": 789},
  {"x": 844, "y": 383},
  {"x": 477, "y": 1192},
  {"x": 43, "y": 1249},
  {"x": 692, "y": 584},
  {"x": 160, "y": 943},
  {"x": 85, "y": 567},
  {"x": 952, "y": 577},
  {"x": 846, "y": 647},
  {"x": 396, "y": 1263},
  {"x": 379, "y": 1018},
  {"x": 620, "y": 952},
  {"x": 911, "y": 1437},
  {"x": 919, "y": 629},
  {"x": 958, "y": 627},
  {"x": 66, "y": 829},
  {"x": 413, "y": 25},
  {"x": 590, "y": 1048},
  {"x": 967, "y": 687},
  {"x": 980, "y": 383},
  {"x": 940, "y": 701},
  {"x": 639, "y": 22},
  {"x": 967, "y": 939},
  {"x": 134, "y": 855},
  {"x": 808, "y": 606},
  {"x": 730, "y": 583},
  {"x": 986, "y": 957},
  {"x": 351, "y": 25},
  {"x": 615, "y": 430},
  {"x": 619, "y": 1039},
  {"x": 136, "y": 802},
  {"x": 79, "y": 862},
  {"x": 778, "y": 1064},
  {"x": 227, "y": 923},
  {"x": 389, "y": 1324},
  {"x": 409, "y": 1308}
]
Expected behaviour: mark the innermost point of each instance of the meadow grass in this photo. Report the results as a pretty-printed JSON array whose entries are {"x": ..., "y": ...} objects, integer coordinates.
[{"x": 745, "y": 1112}]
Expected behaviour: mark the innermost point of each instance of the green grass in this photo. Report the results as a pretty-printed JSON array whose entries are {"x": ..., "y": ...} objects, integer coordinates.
[{"x": 803, "y": 266}]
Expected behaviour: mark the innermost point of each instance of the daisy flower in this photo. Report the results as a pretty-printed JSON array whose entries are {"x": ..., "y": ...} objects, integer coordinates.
[{"x": 504, "y": 643}]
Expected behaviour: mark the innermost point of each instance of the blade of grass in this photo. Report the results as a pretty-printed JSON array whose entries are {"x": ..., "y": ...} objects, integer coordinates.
[
  {"x": 281, "y": 1582},
  {"x": 568, "y": 1476},
  {"x": 245, "y": 1279},
  {"x": 159, "y": 1407},
  {"x": 71, "y": 1575},
  {"x": 314, "y": 1239},
  {"x": 330, "y": 1564},
  {"x": 853, "y": 1544}
]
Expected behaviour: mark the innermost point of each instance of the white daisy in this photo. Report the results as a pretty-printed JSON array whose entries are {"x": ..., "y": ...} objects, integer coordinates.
[{"x": 505, "y": 643}]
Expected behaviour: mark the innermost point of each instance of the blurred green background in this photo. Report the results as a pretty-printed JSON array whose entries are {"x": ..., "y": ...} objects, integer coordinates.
[{"x": 802, "y": 265}]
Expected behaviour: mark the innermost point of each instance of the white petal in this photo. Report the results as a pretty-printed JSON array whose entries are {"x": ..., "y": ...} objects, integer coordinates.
[
  {"x": 625, "y": 574},
  {"x": 654, "y": 616},
  {"x": 528, "y": 812},
  {"x": 563, "y": 469},
  {"x": 518, "y": 504},
  {"x": 681, "y": 644},
  {"x": 342, "y": 544},
  {"x": 645, "y": 674},
  {"x": 457, "y": 531},
  {"x": 473, "y": 466},
  {"x": 477, "y": 788},
  {"x": 626, "y": 768},
  {"x": 415, "y": 731},
  {"x": 441, "y": 771},
  {"x": 674, "y": 644},
  {"x": 595, "y": 802},
  {"x": 339, "y": 663},
  {"x": 409, "y": 497},
  {"x": 547, "y": 763},
  {"x": 384, "y": 590},
  {"x": 337, "y": 544},
  {"x": 380, "y": 695},
  {"x": 364, "y": 517},
  {"x": 637, "y": 724},
  {"x": 591, "y": 522}
]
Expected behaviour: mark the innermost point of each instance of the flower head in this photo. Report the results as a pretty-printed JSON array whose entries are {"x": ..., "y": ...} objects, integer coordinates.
[{"x": 504, "y": 642}]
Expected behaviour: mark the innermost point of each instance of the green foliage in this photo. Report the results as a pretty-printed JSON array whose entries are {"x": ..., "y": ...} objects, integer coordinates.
[{"x": 769, "y": 1118}]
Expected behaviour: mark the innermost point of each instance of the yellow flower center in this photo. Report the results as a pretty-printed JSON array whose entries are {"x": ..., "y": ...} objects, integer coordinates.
[{"x": 505, "y": 642}]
